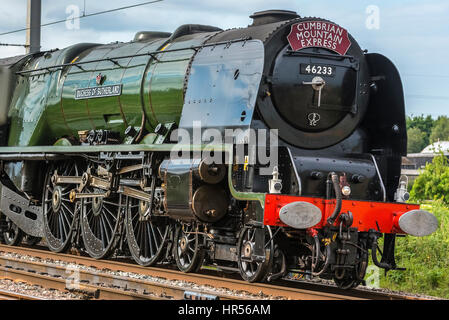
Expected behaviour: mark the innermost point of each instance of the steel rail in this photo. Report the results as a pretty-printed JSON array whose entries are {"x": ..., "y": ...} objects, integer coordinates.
[
  {"x": 97, "y": 284},
  {"x": 261, "y": 290},
  {"x": 61, "y": 284},
  {"x": 9, "y": 295},
  {"x": 287, "y": 288}
]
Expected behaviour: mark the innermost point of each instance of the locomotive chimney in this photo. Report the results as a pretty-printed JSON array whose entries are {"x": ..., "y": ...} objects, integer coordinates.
[{"x": 270, "y": 16}]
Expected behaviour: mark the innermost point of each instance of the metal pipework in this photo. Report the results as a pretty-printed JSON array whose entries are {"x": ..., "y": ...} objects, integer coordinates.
[
  {"x": 384, "y": 192},
  {"x": 336, "y": 183},
  {"x": 32, "y": 156},
  {"x": 374, "y": 247}
]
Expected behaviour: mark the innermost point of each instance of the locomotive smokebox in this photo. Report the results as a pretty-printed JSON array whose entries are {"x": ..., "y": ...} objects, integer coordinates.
[{"x": 315, "y": 87}]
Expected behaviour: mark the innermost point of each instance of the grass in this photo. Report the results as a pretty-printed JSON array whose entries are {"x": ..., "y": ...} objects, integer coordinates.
[{"x": 426, "y": 259}]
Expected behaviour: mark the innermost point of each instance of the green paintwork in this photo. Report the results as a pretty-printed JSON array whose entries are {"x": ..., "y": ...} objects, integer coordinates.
[
  {"x": 112, "y": 113},
  {"x": 131, "y": 98},
  {"x": 44, "y": 108},
  {"x": 28, "y": 123},
  {"x": 149, "y": 138},
  {"x": 63, "y": 142},
  {"x": 239, "y": 195},
  {"x": 164, "y": 82},
  {"x": 35, "y": 113}
]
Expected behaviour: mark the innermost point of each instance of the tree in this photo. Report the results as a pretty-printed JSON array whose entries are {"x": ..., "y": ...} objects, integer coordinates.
[
  {"x": 433, "y": 181},
  {"x": 425, "y": 124},
  {"x": 440, "y": 131},
  {"x": 416, "y": 140}
]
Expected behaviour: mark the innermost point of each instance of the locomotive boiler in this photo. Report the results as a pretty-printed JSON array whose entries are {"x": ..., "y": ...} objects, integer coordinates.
[{"x": 263, "y": 150}]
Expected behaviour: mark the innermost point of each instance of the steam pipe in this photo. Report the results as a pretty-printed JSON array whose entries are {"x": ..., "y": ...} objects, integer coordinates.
[
  {"x": 384, "y": 192},
  {"x": 336, "y": 184},
  {"x": 31, "y": 156},
  {"x": 317, "y": 252},
  {"x": 326, "y": 263},
  {"x": 382, "y": 265}
]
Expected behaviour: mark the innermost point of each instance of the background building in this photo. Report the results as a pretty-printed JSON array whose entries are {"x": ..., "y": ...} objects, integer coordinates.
[{"x": 414, "y": 162}]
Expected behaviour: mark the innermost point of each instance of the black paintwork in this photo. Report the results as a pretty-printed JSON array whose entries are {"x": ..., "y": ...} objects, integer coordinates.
[{"x": 356, "y": 120}]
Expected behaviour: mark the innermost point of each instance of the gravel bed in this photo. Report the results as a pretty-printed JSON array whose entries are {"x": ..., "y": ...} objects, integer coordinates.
[
  {"x": 37, "y": 291},
  {"x": 400, "y": 293},
  {"x": 369, "y": 289},
  {"x": 209, "y": 289}
]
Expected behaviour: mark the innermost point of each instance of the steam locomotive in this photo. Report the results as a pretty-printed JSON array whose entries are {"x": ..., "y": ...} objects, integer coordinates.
[{"x": 263, "y": 150}]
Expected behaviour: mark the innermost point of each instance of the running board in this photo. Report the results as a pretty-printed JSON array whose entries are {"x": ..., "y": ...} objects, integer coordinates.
[{"x": 27, "y": 217}]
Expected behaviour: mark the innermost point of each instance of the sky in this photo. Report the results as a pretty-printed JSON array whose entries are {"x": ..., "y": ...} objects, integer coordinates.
[{"x": 414, "y": 34}]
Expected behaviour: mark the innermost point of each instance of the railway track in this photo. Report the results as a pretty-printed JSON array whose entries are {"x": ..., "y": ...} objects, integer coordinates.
[
  {"x": 106, "y": 279},
  {"x": 9, "y": 295}
]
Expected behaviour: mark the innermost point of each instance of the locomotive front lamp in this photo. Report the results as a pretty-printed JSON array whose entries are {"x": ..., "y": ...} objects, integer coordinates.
[{"x": 346, "y": 191}]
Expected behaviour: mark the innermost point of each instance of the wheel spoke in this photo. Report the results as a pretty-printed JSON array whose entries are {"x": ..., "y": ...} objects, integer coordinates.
[
  {"x": 111, "y": 203},
  {"x": 61, "y": 228},
  {"x": 55, "y": 226},
  {"x": 160, "y": 233},
  {"x": 102, "y": 234},
  {"x": 153, "y": 234},
  {"x": 135, "y": 226},
  {"x": 110, "y": 213},
  {"x": 68, "y": 209},
  {"x": 107, "y": 234},
  {"x": 143, "y": 240},
  {"x": 111, "y": 228},
  {"x": 65, "y": 219},
  {"x": 66, "y": 193},
  {"x": 148, "y": 234}
]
